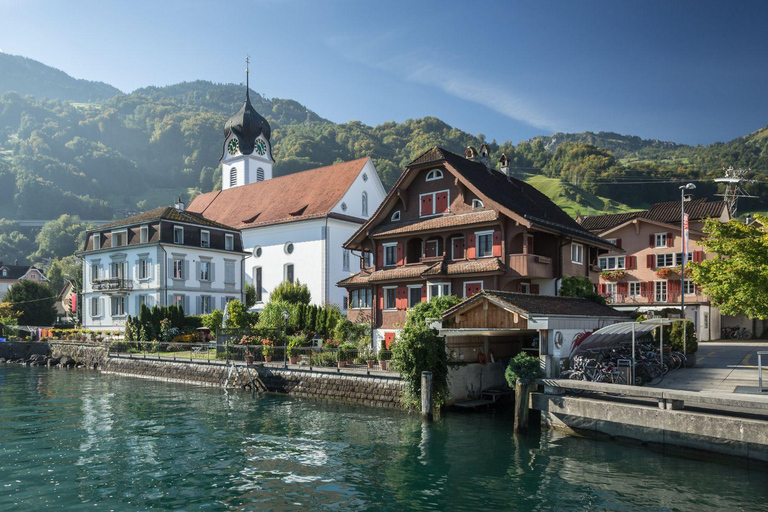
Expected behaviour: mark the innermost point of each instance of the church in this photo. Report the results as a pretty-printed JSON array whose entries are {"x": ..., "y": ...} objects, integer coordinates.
[{"x": 293, "y": 227}]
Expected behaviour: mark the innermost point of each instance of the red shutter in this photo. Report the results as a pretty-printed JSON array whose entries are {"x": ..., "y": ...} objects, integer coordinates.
[
  {"x": 472, "y": 289},
  {"x": 698, "y": 256},
  {"x": 651, "y": 261},
  {"x": 670, "y": 240},
  {"x": 602, "y": 288},
  {"x": 622, "y": 288},
  {"x": 430, "y": 249},
  {"x": 471, "y": 247},
  {"x": 618, "y": 243},
  {"x": 497, "y": 243},
  {"x": 380, "y": 257},
  {"x": 535, "y": 289},
  {"x": 426, "y": 205},
  {"x": 630, "y": 262},
  {"x": 401, "y": 297},
  {"x": 458, "y": 248},
  {"x": 389, "y": 339},
  {"x": 381, "y": 299},
  {"x": 424, "y": 293},
  {"x": 399, "y": 253},
  {"x": 441, "y": 202},
  {"x": 651, "y": 241}
]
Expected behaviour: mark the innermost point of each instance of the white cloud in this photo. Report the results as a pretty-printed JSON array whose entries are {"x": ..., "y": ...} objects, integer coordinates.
[{"x": 461, "y": 83}]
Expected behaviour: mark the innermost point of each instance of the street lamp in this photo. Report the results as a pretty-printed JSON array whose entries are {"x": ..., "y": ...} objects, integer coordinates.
[{"x": 684, "y": 237}]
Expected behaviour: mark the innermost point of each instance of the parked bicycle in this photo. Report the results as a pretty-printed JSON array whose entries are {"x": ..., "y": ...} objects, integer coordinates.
[{"x": 736, "y": 333}]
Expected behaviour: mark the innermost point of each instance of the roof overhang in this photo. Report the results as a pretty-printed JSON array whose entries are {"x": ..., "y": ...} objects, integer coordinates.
[{"x": 649, "y": 221}]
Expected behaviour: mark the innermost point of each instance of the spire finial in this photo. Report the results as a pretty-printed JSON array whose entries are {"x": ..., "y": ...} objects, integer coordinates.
[{"x": 247, "y": 75}]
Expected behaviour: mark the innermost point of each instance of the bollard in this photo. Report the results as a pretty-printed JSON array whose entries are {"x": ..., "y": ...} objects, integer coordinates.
[{"x": 426, "y": 396}]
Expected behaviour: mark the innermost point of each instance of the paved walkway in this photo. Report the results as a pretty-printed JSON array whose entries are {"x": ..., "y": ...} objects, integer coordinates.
[{"x": 722, "y": 367}]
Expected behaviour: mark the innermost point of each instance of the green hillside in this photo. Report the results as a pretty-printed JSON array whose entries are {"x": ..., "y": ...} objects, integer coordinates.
[
  {"x": 573, "y": 200},
  {"x": 30, "y": 77}
]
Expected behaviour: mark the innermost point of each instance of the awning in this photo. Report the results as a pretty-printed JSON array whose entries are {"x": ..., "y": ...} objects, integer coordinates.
[{"x": 619, "y": 334}]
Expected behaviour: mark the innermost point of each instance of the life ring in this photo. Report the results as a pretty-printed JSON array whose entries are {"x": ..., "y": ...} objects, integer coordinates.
[
  {"x": 481, "y": 358},
  {"x": 491, "y": 356}
]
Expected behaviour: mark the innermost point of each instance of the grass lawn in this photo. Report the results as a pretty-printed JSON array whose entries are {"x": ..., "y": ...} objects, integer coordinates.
[{"x": 574, "y": 200}]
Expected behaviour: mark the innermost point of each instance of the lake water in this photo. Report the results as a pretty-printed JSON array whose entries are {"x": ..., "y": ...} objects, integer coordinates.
[{"x": 77, "y": 439}]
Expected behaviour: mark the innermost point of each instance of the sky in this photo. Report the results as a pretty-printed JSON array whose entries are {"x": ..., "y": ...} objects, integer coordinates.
[{"x": 683, "y": 71}]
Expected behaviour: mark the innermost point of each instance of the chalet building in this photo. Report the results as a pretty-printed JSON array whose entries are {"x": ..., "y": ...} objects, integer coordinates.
[
  {"x": 161, "y": 257},
  {"x": 12, "y": 274},
  {"x": 454, "y": 225},
  {"x": 645, "y": 275},
  {"x": 293, "y": 226}
]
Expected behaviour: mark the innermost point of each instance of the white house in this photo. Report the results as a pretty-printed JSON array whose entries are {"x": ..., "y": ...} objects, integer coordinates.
[
  {"x": 12, "y": 274},
  {"x": 161, "y": 257},
  {"x": 293, "y": 226}
]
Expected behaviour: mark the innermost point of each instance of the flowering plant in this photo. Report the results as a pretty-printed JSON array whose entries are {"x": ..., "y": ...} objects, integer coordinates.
[
  {"x": 249, "y": 340},
  {"x": 613, "y": 274},
  {"x": 663, "y": 272},
  {"x": 268, "y": 347}
]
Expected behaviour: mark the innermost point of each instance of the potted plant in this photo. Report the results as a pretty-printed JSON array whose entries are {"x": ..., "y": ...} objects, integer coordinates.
[
  {"x": 384, "y": 357},
  {"x": 267, "y": 349},
  {"x": 294, "y": 349},
  {"x": 343, "y": 354},
  {"x": 368, "y": 356}
]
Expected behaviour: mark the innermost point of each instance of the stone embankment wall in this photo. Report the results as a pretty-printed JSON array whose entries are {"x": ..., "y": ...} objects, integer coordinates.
[
  {"x": 383, "y": 392},
  {"x": 23, "y": 350},
  {"x": 169, "y": 371},
  {"x": 92, "y": 356}
]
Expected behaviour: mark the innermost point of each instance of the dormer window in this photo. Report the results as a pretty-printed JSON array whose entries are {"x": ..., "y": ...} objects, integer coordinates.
[
  {"x": 434, "y": 174},
  {"x": 395, "y": 216},
  {"x": 229, "y": 242},
  {"x": 144, "y": 234},
  {"x": 5, "y": 272},
  {"x": 96, "y": 241},
  {"x": 119, "y": 238},
  {"x": 477, "y": 204},
  {"x": 205, "y": 238},
  {"x": 178, "y": 234}
]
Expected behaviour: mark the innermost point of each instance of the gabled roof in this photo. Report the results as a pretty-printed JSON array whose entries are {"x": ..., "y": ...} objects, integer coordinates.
[
  {"x": 299, "y": 196},
  {"x": 445, "y": 221},
  {"x": 541, "y": 304},
  {"x": 516, "y": 196},
  {"x": 14, "y": 271},
  {"x": 163, "y": 213},
  {"x": 666, "y": 213}
]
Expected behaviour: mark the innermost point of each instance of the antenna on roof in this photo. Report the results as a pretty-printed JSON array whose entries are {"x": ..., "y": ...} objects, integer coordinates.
[{"x": 733, "y": 191}]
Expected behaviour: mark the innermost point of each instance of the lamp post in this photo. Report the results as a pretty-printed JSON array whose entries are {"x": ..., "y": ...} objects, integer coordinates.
[
  {"x": 683, "y": 226},
  {"x": 285, "y": 340}
]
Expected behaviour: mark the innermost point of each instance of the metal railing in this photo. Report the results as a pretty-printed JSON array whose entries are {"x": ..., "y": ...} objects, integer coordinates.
[
  {"x": 112, "y": 284},
  {"x": 340, "y": 360}
]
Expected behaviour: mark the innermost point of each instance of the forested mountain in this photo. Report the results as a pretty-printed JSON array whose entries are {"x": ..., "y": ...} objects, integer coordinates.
[
  {"x": 133, "y": 152},
  {"x": 30, "y": 77}
]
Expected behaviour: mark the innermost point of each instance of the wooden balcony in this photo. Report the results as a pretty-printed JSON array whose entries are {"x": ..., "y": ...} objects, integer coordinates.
[
  {"x": 531, "y": 265},
  {"x": 113, "y": 284}
]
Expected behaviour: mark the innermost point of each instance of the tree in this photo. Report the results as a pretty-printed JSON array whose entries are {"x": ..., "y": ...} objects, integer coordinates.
[
  {"x": 419, "y": 349},
  {"x": 580, "y": 286},
  {"x": 14, "y": 245},
  {"x": 238, "y": 316},
  {"x": 34, "y": 301},
  {"x": 8, "y": 314},
  {"x": 291, "y": 292},
  {"x": 419, "y": 313},
  {"x": 737, "y": 279},
  {"x": 63, "y": 269},
  {"x": 250, "y": 295},
  {"x": 60, "y": 237}
]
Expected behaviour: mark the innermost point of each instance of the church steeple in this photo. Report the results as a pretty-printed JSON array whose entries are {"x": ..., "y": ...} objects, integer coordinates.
[{"x": 247, "y": 152}]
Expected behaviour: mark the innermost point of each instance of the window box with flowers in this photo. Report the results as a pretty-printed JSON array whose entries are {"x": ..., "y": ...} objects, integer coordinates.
[
  {"x": 667, "y": 271},
  {"x": 612, "y": 274}
]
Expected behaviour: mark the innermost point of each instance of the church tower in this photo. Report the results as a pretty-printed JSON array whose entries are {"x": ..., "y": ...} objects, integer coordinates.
[{"x": 247, "y": 153}]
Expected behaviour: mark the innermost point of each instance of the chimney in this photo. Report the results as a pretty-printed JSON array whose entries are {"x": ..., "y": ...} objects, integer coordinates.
[
  {"x": 470, "y": 153},
  {"x": 747, "y": 221},
  {"x": 504, "y": 165},
  {"x": 485, "y": 156},
  {"x": 15, "y": 262},
  {"x": 179, "y": 205},
  {"x": 687, "y": 197}
]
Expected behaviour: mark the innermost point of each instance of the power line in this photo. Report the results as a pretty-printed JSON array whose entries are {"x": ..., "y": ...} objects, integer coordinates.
[{"x": 33, "y": 300}]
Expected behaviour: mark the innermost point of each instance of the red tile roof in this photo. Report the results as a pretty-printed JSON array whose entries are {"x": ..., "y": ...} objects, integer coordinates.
[
  {"x": 543, "y": 305},
  {"x": 440, "y": 268},
  {"x": 299, "y": 196},
  {"x": 668, "y": 213},
  {"x": 445, "y": 221}
]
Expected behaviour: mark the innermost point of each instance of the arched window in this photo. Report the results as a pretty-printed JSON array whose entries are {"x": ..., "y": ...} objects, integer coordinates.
[
  {"x": 434, "y": 174},
  {"x": 233, "y": 177},
  {"x": 395, "y": 216},
  {"x": 477, "y": 204},
  {"x": 259, "y": 174},
  {"x": 365, "y": 203}
]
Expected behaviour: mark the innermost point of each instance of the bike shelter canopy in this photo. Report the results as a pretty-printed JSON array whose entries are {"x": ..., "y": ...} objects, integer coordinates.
[{"x": 617, "y": 335}]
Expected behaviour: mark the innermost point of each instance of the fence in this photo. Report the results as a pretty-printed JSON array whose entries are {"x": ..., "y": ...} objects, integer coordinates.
[{"x": 303, "y": 358}]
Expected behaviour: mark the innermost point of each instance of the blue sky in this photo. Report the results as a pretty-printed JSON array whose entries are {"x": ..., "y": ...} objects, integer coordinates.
[{"x": 691, "y": 72}]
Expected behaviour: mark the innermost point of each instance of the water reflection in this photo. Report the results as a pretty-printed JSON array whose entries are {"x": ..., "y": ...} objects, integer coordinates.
[{"x": 81, "y": 438}]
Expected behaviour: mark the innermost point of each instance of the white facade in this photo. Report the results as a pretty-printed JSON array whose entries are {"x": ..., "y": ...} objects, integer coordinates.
[
  {"x": 317, "y": 255},
  {"x": 117, "y": 281}
]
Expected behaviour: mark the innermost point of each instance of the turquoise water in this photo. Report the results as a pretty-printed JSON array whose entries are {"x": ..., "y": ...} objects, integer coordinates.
[{"x": 76, "y": 439}]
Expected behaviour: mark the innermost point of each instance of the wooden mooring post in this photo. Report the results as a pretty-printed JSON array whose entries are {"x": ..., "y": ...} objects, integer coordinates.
[
  {"x": 426, "y": 396},
  {"x": 522, "y": 394}
]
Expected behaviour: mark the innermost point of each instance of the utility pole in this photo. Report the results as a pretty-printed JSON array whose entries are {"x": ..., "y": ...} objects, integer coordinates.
[{"x": 733, "y": 191}]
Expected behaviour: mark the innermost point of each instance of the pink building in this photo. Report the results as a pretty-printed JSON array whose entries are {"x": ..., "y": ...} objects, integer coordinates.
[{"x": 646, "y": 276}]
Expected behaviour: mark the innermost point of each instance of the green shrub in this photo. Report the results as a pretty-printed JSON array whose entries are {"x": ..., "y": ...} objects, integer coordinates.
[
  {"x": 523, "y": 367},
  {"x": 323, "y": 359},
  {"x": 434, "y": 308},
  {"x": 675, "y": 334},
  {"x": 419, "y": 349}
]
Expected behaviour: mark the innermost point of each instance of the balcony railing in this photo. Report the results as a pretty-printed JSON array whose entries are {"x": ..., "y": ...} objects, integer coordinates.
[
  {"x": 531, "y": 265},
  {"x": 114, "y": 284}
]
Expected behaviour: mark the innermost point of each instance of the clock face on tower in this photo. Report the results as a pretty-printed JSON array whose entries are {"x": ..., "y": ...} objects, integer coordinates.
[
  {"x": 233, "y": 146},
  {"x": 261, "y": 147}
]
